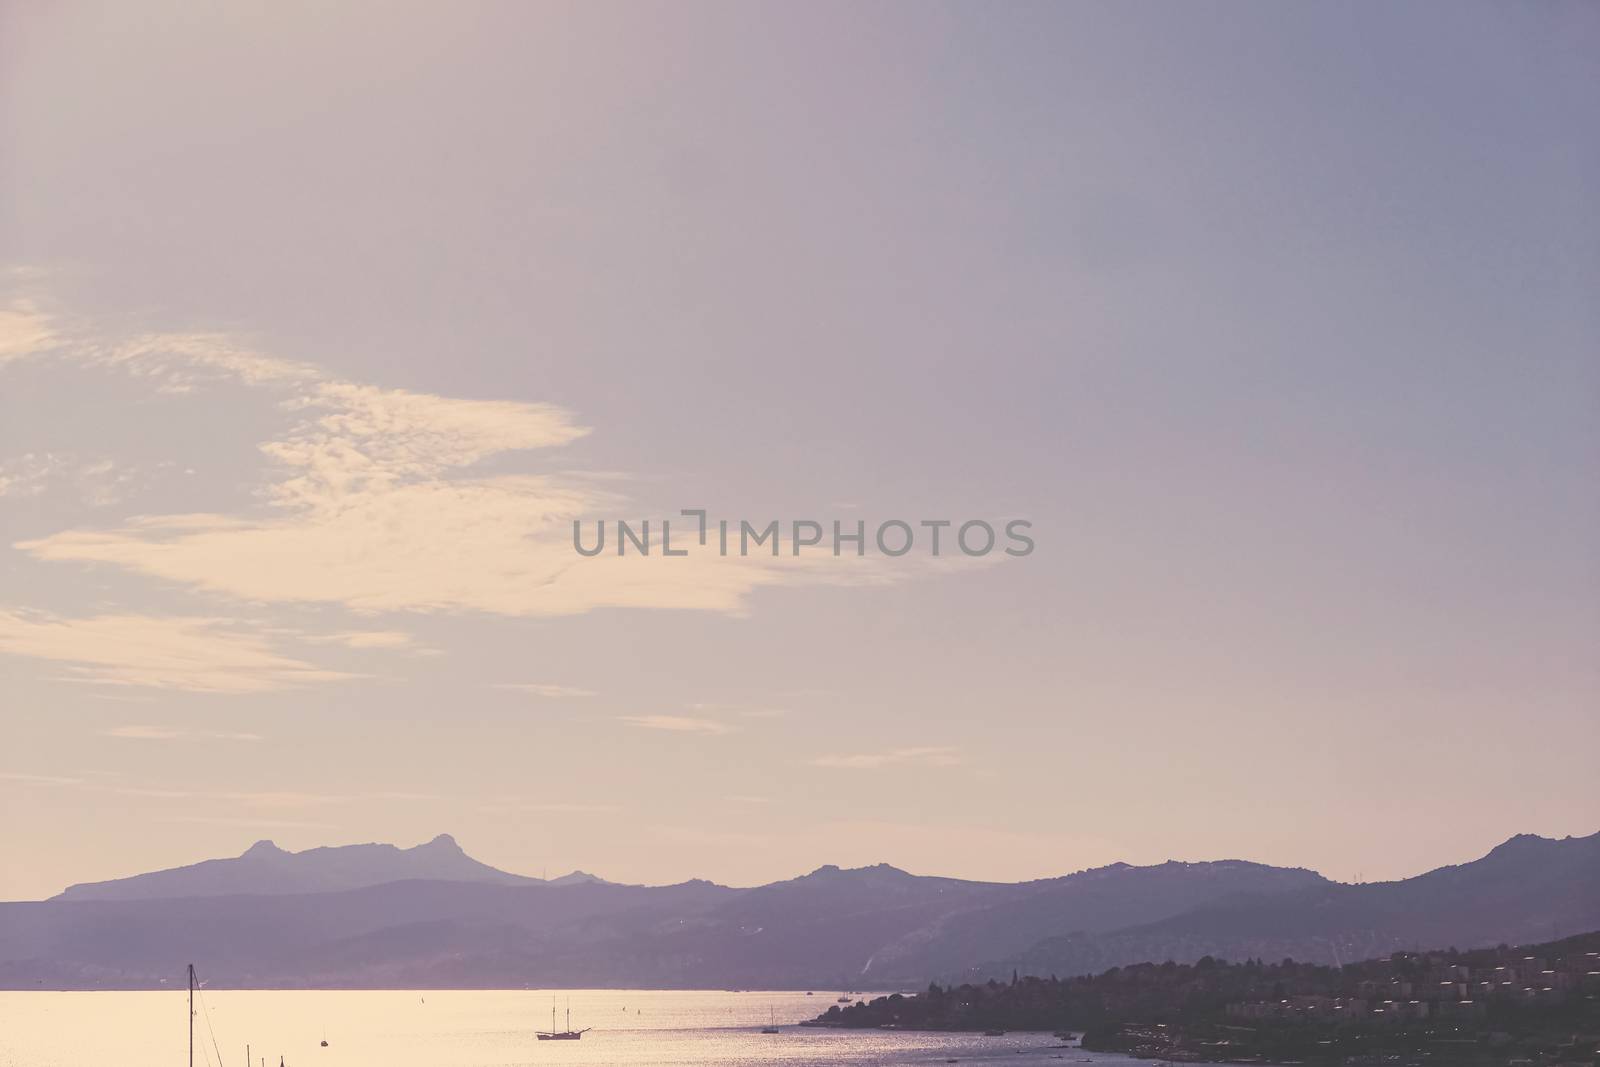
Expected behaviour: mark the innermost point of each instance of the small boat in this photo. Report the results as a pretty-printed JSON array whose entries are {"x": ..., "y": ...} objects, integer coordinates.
[
  {"x": 192, "y": 984},
  {"x": 194, "y": 987},
  {"x": 845, "y": 999},
  {"x": 772, "y": 1022},
  {"x": 569, "y": 1034}
]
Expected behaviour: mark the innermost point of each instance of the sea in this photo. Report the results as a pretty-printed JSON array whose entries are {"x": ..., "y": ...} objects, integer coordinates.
[{"x": 467, "y": 1028}]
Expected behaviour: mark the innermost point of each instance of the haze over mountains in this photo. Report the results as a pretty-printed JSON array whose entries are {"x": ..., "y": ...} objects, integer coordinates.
[{"x": 431, "y": 916}]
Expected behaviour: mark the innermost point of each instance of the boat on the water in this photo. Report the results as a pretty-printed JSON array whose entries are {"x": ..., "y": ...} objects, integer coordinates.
[
  {"x": 772, "y": 1022},
  {"x": 569, "y": 1034},
  {"x": 191, "y": 1014},
  {"x": 194, "y": 987}
]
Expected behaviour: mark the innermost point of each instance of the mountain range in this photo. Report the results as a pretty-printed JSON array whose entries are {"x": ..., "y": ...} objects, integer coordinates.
[
  {"x": 377, "y": 916},
  {"x": 264, "y": 868}
]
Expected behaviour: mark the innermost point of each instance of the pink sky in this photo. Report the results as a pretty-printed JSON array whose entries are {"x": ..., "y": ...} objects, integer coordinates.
[{"x": 317, "y": 330}]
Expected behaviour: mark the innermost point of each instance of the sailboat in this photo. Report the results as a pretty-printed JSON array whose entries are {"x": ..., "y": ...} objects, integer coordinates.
[
  {"x": 772, "y": 1022},
  {"x": 191, "y": 1015},
  {"x": 569, "y": 1034},
  {"x": 194, "y": 985}
]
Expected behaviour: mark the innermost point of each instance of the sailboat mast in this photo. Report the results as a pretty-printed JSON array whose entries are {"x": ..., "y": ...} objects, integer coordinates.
[{"x": 191, "y": 1015}]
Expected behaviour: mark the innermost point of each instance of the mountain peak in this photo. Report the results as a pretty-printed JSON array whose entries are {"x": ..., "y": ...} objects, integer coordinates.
[
  {"x": 1518, "y": 844},
  {"x": 578, "y": 878},
  {"x": 356, "y": 914},
  {"x": 1524, "y": 839},
  {"x": 265, "y": 869},
  {"x": 833, "y": 870},
  {"x": 442, "y": 843}
]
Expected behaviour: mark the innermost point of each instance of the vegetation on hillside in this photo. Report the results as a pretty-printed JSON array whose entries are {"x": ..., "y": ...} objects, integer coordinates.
[{"x": 1536, "y": 1003}]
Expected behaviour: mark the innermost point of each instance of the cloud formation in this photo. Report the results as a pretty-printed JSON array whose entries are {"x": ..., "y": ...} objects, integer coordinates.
[
  {"x": 541, "y": 689},
  {"x": 97, "y": 483},
  {"x": 268, "y": 799},
  {"x": 189, "y": 653},
  {"x": 925, "y": 756},
  {"x": 38, "y": 779},
  {"x": 140, "y": 732},
  {"x": 678, "y": 724},
  {"x": 25, "y": 331},
  {"x": 362, "y": 639},
  {"x": 374, "y": 502}
]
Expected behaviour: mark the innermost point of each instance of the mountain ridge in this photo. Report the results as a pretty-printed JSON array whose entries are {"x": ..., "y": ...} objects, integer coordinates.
[
  {"x": 833, "y": 927},
  {"x": 264, "y": 868}
]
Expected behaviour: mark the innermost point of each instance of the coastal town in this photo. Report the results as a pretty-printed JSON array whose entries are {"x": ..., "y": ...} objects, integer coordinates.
[
  {"x": 1497, "y": 1007},
  {"x": 1439, "y": 986}
]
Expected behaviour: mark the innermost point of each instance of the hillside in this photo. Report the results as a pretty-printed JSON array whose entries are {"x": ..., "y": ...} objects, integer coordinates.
[
  {"x": 264, "y": 868},
  {"x": 1536, "y": 1003},
  {"x": 1525, "y": 889},
  {"x": 464, "y": 924}
]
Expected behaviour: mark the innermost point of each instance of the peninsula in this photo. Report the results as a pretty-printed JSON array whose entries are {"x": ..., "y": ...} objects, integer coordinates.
[{"x": 1537, "y": 1004}]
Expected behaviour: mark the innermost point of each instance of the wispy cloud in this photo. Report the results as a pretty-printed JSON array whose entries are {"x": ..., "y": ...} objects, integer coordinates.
[
  {"x": 245, "y": 823},
  {"x": 25, "y": 330},
  {"x": 162, "y": 733},
  {"x": 678, "y": 724},
  {"x": 362, "y": 639},
  {"x": 925, "y": 756},
  {"x": 38, "y": 779},
  {"x": 147, "y": 792},
  {"x": 743, "y": 711},
  {"x": 183, "y": 362},
  {"x": 98, "y": 483},
  {"x": 373, "y": 491},
  {"x": 284, "y": 798},
  {"x": 195, "y": 654},
  {"x": 542, "y": 689},
  {"x": 144, "y": 733},
  {"x": 101, "y": 483},
  {"x": 28, "y": 474},
  {"x": 261, "y": 798}
]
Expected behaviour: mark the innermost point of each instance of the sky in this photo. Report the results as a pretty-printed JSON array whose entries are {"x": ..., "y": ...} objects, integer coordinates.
[{"x": 321, "y": 324}]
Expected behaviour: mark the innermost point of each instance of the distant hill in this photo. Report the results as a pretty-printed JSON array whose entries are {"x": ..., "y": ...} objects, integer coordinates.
[
  {"x": 264, "y": 868},
  {"x": 882, "y": 925},
  {"x": 1527, "y": 889},
  {"x": 441, "y": 919},
  {"x": 1094, "y": 901},
  {"x": 1481, "y": 1007}
]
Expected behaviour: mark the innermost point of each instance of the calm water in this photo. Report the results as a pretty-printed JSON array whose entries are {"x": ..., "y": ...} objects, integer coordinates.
[{"x": 451, "y": 1028}]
